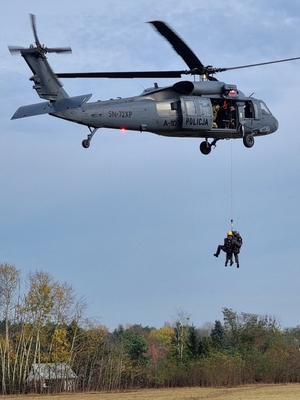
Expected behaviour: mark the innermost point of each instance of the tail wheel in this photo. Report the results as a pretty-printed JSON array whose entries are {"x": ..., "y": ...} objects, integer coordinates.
[
  {"x": 248, "y": 140},
  {"x": 205, "y": 147}
]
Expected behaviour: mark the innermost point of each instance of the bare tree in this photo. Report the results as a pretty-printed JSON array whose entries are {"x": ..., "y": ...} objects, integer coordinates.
[{"x": 9, "y": 289}]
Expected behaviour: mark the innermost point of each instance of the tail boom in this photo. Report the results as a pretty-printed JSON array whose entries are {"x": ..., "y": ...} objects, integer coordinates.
[{"x": 51, "y": 107}]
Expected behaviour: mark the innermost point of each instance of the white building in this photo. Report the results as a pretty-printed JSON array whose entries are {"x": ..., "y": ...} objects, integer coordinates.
[{"x": 59, "y": 377}]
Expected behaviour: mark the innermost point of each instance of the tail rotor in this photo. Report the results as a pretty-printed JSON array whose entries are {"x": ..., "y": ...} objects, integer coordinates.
[{"x": 39, "y": 49}]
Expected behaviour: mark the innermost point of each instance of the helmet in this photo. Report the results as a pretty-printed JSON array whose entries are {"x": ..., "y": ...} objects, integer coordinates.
[{"x": 229, "y": 233}]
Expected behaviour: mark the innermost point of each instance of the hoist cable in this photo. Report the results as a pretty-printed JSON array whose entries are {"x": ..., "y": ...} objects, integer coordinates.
[{"x": 231, "y": 186}]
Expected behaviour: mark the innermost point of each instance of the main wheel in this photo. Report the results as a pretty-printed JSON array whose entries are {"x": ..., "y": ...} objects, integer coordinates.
[
  {"x": 86, "y": 143},
  {"x": 248, "y": 140},
  {"x": 205, "y": 147}
]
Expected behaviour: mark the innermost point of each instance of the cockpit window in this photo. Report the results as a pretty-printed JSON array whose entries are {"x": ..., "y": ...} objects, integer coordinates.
[{"x": 264, "y": 109}]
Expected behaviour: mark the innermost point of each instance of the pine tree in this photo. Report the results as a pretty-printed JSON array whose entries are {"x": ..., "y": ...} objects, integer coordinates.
[
  {"x": 192, "y": 343},
  {"x": 219, "y": 337}
]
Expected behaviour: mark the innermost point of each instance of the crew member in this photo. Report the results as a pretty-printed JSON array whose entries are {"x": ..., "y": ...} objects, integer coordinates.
[{"x": 237, "y": 243}]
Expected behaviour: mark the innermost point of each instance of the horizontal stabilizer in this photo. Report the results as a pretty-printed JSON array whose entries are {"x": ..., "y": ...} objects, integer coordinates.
[{"x": 51, "y": 107}]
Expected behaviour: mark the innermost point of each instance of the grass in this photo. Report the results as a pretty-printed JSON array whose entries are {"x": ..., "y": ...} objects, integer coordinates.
[{"x": 251, "y": 392}]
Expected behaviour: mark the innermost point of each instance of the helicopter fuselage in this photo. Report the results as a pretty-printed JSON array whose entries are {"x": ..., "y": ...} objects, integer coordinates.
[{"x": 185, "y": 109}]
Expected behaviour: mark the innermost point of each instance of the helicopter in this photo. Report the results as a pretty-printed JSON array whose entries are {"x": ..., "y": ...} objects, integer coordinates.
[{"x": 208, "y": 108}]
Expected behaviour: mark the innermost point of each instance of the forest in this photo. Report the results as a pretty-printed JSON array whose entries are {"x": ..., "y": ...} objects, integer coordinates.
[{"x": 45, "y": 323}]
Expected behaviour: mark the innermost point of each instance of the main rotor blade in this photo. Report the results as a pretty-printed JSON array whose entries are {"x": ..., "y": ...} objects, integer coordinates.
[
  {"x": 15, "y": 49},
  {"x": 137, "y": 74},
  {"x": 179, "y": 46},
  {"x": 255, "y": 65},
  {"x": 33, "y": 24},
  {"x": 59, "y": 50}
]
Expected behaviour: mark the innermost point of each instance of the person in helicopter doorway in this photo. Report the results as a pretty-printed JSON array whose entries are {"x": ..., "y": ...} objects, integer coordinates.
[
  {"x": 236, "y": 246},
  {"x": 227, "y": 248},
  {"x": 222, "y": 116},
  {"x": 215, "y": 108},
  {"x": 232, "y": 118}
]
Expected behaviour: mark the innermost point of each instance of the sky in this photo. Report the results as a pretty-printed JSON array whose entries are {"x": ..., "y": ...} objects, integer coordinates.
[{"x": 132, "y": 222}]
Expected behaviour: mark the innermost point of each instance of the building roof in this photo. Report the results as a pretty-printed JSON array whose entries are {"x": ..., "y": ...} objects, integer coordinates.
[{"x": 51, "y": 371}]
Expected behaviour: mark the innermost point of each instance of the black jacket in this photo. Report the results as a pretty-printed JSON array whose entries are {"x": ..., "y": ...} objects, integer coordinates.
[
  {"x": 228, "y": 244},
  {"x": 237, "y": 244}
]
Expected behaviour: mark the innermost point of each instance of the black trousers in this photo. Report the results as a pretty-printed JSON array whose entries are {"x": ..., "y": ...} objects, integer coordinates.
[
  {"x": 236, "y": 257},
  {"x": 226, "y": 250}
]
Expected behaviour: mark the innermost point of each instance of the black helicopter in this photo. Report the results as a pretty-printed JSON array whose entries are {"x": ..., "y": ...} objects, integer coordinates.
[{"x": 207, "y": 109}]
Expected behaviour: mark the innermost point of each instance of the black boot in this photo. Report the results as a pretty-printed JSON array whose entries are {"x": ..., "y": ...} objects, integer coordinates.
[{"x": 216, "y": 255}]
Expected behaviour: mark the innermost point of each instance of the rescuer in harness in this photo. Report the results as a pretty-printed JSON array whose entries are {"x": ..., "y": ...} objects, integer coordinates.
[
  {"x": 236, "y": 246},
  {"x": 232, "y": 246}
]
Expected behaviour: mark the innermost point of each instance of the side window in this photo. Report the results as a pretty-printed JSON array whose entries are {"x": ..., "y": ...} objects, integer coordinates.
[
  {"x": 190, "y": 107},
  {"x": 175, "y": 105},
  {"x": 204, "y": 106}
]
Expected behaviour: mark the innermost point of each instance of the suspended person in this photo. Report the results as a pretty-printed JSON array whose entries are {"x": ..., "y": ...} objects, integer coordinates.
[
  {"x": 237, "y": 243},
  {"x": 227, "y": 248}
]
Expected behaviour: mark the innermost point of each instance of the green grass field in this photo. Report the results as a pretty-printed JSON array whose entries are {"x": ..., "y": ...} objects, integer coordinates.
[{"x": 253, "y": 392}]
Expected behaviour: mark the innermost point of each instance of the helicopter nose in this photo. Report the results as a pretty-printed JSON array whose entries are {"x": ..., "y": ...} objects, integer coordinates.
[{"x": 276, "y": 123}]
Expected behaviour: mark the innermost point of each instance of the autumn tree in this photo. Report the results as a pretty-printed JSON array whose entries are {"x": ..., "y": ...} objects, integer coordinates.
[
  {"x": 160, "y": 342},
  {"x": 44, "y": 312},
  {"x": 232, "y": 325},
  {"x": 9, "y": 290}
]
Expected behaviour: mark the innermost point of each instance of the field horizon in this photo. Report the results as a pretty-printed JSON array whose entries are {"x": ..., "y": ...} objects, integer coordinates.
[{"x": 247, "y": 392}]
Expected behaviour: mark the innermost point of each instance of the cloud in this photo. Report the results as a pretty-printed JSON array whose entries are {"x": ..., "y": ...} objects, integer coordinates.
[{"x": 132, "y": 222}]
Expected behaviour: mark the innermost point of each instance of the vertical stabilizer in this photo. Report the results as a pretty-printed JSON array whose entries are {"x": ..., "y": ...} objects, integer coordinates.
[{"x": 46, "y": 83}]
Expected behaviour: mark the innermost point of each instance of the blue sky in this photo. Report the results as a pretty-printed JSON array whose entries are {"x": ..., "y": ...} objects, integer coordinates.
[{"x": 132, "y": 223}]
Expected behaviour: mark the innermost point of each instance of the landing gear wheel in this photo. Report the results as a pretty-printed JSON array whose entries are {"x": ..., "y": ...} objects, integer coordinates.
[
  {"x": 205, "y": 148},
  {"x": 86, "y": 143},
  {"x": 248, "y": 140}
]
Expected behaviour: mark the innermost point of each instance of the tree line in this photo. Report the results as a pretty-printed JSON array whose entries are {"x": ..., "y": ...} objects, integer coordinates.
[{"x": 46, "y": 323}]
